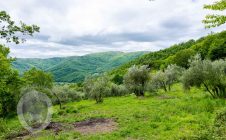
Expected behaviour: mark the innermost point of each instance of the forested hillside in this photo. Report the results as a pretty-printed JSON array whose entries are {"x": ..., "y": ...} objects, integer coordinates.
[
  {"x": 210, "y": 47},
  {"x": 74, "y": 69}
]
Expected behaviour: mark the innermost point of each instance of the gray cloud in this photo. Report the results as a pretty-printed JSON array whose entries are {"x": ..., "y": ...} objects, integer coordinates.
[
  {"x": 108, "y": 39},
  {"x": 78, "y": 27}
]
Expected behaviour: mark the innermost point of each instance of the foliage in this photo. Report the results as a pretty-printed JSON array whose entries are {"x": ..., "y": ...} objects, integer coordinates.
[
  {"x": 218, "y": 50},
  {"x": 215, "y": 20},
  {"x": 136, "y": 79},
  {"x": 117, "y": 79},
  {"x": 9, "y": 84},
  {"x": 11, "y": 32},
  {"x": 38, "y": 78},
  {"x": 118, "y": 90},
  {"x": 97, "y": 88},
  {"x": 159, "y": 80},
  {"x": 209, "y": 74},
  {"x": 181, "y": 58},
  {"x": 206, "y": 46},
  {"x": 165, "y": 79},
  {"x": 173, "y": 74},
  {"x": 66, "y": 94}
]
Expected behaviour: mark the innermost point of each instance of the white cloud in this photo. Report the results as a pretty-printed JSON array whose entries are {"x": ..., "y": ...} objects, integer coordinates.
[{"x": 78, "y": 27}]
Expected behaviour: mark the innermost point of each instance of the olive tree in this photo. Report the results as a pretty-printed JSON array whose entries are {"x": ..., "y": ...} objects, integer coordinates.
[
  {"x": 136, "y": 79},
  {"x": 165, "y": 79},
  {"x": 211, "y": 75},
  {"x": 173, "y": 74},
  {"x": 97, "y": 88}
]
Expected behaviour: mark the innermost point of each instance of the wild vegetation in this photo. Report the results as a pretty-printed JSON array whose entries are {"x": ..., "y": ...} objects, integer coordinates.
[{"x": 175, "y": 93}]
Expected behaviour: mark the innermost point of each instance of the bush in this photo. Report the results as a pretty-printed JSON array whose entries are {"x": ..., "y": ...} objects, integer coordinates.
[
  {"x": 117, "y": 79},
  {"x": 136, "y": 79},
  {"x": 211, "y": 75},
  {"x": 118, "y": 90},
  {"x": 218, "y": 50},
  {"x": 182, "y": 57},
  {"x": 66, "y": 94}
]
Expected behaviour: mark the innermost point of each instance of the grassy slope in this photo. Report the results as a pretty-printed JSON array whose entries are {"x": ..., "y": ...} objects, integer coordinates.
[
  {"x": 153, "y": 117},
  {"x": 74, "y": 69}
]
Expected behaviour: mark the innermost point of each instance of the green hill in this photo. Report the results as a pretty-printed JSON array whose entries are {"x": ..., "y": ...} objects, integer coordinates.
[
  {"x": 76, "y": 68},
  {"x": 211, "y": 47}
]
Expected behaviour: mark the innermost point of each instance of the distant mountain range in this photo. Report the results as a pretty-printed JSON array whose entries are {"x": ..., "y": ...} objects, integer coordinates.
[{"x": 76, "y": 68}]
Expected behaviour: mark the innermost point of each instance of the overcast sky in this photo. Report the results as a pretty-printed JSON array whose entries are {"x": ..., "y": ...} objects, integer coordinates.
[{"x": 78, "y": 27}]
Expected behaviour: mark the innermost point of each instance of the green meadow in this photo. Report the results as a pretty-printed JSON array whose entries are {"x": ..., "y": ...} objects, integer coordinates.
[{"x": 174, "y": 115}]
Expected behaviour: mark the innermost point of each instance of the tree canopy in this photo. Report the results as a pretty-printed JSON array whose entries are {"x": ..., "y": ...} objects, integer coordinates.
[
  {"x": 10, "y": 82},
  {"x": 12, "y": 32},
  {"x": 215, "y": 20}
]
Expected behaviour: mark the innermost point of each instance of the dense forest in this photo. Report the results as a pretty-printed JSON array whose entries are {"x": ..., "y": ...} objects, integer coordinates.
[
  {"x": 175, "y": 93},
  {"x": 75, "y": 69},
  {"x": 209, "y": 47}
]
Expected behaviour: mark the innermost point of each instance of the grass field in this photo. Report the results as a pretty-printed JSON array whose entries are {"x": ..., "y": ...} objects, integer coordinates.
[{"x": 173, "y": 115}]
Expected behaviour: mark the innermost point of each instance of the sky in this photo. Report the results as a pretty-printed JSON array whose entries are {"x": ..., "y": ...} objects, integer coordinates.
[{"x": 79, "y": 27}]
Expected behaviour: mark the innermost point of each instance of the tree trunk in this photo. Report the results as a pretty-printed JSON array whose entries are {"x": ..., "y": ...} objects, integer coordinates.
[
  {"x": 58, "y": 100},
  {"x": 141, "y": 93}
]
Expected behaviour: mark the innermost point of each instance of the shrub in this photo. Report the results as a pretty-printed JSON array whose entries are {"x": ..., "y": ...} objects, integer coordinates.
[
  {"x": 182, "y": 57},
  {"x": 205, "y": 73},
  {"x": 117, "y": 79},
  {"x": 118, "y": 90},
  {"x": 136, "y": 79},
  {"x": 66, "y": 94}
]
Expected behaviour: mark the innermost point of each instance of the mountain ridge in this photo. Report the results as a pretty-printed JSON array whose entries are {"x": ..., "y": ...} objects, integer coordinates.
[{"x": 76, "y": 68}]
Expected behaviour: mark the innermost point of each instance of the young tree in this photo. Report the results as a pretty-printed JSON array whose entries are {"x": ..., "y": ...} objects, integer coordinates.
[
  {"x": 215, "y": 20},
  {"x": 211, "y": 75},
  {"x": 165, "y": 79},
  {"x": 136, "y": 79},
  {"x": 173, "y": 73},
  {"x": 159, "y": 80},
  {"x": 97, "y": 88}
]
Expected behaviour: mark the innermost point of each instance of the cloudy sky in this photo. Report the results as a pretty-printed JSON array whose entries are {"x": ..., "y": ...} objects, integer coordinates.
[{"x": 78, "y": 27}]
